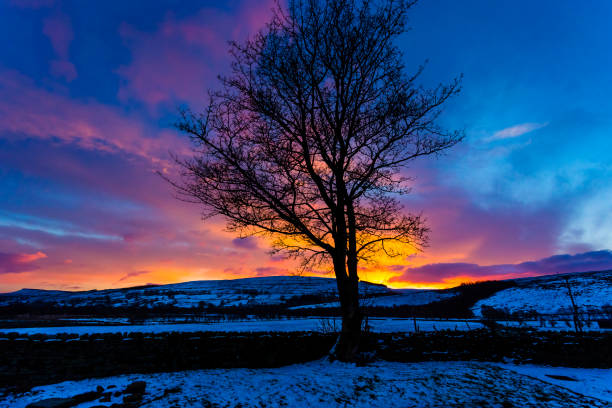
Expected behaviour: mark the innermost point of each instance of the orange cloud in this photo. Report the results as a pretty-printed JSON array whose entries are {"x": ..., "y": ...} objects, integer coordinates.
[
  {"x": 25, "y": 258},
  {"x": 19, "y": 262}
]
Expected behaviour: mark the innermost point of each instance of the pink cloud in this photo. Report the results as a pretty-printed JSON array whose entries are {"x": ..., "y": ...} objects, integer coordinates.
[
  {"x": 27, "y": 111},
  {"x": 161, "y": 72},
  {"x": 59, "y": 30},
  {"x": 464, "y": 229},
  {"x": 181, "y": 59},
  {"x": 19, "y": 262},
  {"x": 245, "y": 243},
  {"x": 271, "y": 271},
  {"x": 26, "y": 258},
  {"x": 441, "y": 272},
  {"x": 64, "y": 69}
]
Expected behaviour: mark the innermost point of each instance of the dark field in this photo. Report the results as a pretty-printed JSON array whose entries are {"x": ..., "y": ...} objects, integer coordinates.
[{"x": 27, "y": 361}]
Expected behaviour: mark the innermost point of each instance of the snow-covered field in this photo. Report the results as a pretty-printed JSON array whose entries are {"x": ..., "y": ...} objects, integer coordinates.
[
  {"x": 310, "y": 324},
  {"x": 586, "y": 381},
  {"x": 379, "y": 384},
  {"x": 406, "y": 298},
  {"x": 380, "y": 325},
  {"x": 549, "y": 294}
]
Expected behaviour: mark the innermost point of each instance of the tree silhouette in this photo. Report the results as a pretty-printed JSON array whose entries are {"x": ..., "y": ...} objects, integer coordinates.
[{"x": 305, "y": 140}]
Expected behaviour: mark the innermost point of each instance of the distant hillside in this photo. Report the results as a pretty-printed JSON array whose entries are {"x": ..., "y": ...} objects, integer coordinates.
[
  {"x": 302, "y": 296},
  {"x": 274, "y": 290}
]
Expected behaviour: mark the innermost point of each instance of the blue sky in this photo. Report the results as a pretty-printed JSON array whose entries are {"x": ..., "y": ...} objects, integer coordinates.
[{"x": 89, "y": 91}]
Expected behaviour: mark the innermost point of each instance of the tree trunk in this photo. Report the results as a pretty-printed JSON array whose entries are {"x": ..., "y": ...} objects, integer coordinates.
[
  {"x": 345, "y": 268},
  {"x": 347, "y": 345}
]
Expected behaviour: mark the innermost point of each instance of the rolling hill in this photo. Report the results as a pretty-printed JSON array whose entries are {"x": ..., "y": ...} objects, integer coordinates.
[
  {"x": 549, "y": 294},
  {"x": 274, "y": 290},
  {"x": 544, "y": 294}
]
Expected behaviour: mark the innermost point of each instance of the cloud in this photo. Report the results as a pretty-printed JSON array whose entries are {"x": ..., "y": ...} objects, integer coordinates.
[
  {"x": 590, "y": 223},
  {"x": 162, "y": 69},
  {"x": 445, "y": 272},
  {"x": 27, "y": 258},
  {"x": 515, "y": 131},
  {"x": 179, "y": 61},
  {"x": 27, "y": 111},
  {"x": 50, "y": 226},
  {"x": 19, "y": 262},
  {"x": 132, "y": 275},
  {"x": 59, "y": 30},
  {"x": 467, "y": 230},
  {"x": 566, "y": 164},
  {"x": 64, "y": 69},
  {"x": 245, "y": 243},
  {"x": 271, "y": 271}
]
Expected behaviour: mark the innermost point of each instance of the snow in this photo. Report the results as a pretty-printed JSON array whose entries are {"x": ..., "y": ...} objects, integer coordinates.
[
  {"x": 381, "y": 325},
  {"x": 334, "y": 384},
  {"x": 549, "y": 295},
  {"x": 408, "y": 298},
  {"x": 309, "y": 324},
  {"x": 586, "y": 381},
  {"x": 421, "y": 297}
]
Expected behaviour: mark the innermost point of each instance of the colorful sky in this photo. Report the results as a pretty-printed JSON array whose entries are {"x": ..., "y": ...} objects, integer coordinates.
[{"x": 89, "y": 92}]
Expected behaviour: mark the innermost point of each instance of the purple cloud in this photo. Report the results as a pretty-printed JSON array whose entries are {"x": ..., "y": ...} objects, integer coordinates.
[
  {"x": 90, "y": 126},
  {"x": 59, "y": 30},
  {"x": 245, "y": 243},
  {"x": 133, "y": 274},
  {"x": 439, "y": 272},
  {"x": 177, "y": 61},
  {"x": 270, "y": 271}
]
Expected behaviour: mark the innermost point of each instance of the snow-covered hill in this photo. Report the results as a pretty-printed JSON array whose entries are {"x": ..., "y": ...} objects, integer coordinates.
[
  {"x": 549, "y": 294},
  {"x": 545, "y": 294},
  {"x": 249, "y": 291},
  {"x": 401, "y": 297}
]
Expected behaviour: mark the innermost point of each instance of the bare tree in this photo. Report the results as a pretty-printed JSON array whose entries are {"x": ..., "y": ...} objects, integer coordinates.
[
  {"x": 305, "y": 140},
  {"x": 575, "y": 312}
]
